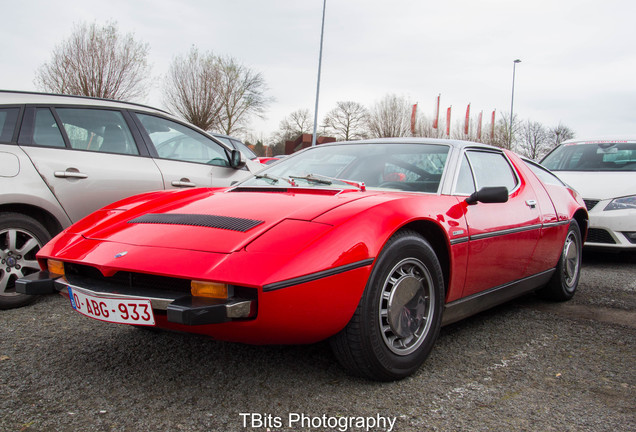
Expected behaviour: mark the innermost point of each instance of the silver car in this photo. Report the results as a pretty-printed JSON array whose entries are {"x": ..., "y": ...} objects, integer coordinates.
[{"x": 63, "y": 157}]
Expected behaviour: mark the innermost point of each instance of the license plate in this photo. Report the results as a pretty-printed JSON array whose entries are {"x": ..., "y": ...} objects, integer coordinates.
[{"x": 112, "y": 309}]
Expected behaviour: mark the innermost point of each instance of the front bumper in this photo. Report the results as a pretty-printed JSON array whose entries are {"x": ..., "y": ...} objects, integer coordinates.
[
  {"x": 179, "y": 308},
  {"x": 613, "y": 229}
]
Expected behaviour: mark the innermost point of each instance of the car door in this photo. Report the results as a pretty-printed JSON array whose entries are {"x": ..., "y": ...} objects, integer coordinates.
[
  {"x": 502, "y": 236},
  {"x": 87, "y": 156},
  {"x": 186, "y": 157}
]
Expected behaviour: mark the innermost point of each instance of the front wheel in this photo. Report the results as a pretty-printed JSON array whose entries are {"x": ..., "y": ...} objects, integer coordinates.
[
  {"x": 399, "y": 315},
  {"x": 565, "y": 280}
]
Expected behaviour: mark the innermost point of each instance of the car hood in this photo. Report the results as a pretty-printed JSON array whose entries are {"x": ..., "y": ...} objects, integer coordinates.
[
  {"x": 212, "y": 221},
  {"x": 600, "y": 185}
]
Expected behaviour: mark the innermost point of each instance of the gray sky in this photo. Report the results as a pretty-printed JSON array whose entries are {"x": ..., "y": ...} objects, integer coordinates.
[{"x": 578, "y": 56}]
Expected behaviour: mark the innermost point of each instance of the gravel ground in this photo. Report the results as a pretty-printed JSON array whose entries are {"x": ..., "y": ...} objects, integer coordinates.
[{"x": 524, "y": 366}]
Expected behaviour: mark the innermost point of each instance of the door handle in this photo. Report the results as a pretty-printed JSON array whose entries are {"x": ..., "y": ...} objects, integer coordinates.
[
  {"x": 531, "y": 203},
  {"x": 184, "y": 182},
  {"x": 70, "y": 173}
]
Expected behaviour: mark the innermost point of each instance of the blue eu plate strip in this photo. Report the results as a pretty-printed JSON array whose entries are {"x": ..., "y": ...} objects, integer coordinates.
[{"x": 70, "y": 295}]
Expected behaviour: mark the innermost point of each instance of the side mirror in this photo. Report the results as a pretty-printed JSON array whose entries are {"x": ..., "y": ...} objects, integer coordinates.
[
  {"x": 496, "y": 194},
  {"x": 236, "y": 159}
]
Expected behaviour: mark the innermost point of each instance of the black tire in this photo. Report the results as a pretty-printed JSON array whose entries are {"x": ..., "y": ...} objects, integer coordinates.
[
  {"x": 21, "y": 237},
  {"x": 565, "y": 280},
  {"x": 399, "y": 315}
]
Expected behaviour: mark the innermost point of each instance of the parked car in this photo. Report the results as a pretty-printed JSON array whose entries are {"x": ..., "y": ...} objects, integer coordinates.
[
  {"x": 63, "y": 157},
  {"x": 269, "y": 160},
  {"x": 237, "y": 144},
  {"x": 243, "y": 148},
  {"x": 604, "y": 172},
  {"x": 370, "y": 244}
]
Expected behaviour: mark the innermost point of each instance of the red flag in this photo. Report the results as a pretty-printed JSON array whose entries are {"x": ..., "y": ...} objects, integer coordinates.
[
  {"x": 413, "y": 118},
  {"x": 466, "y": 123},
  {"x": 492, "y": 125},
  {"x": 479, "y": 125},
  {"x": 448, "y": 117},
  {"x": 436, "y": 119}
]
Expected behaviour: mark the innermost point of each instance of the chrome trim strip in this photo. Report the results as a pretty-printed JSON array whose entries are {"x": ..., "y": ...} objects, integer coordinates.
[
  {"x": 157, "y": 302},
  {"x": 318, "y": 275},
  {"x": 505, "y": 232},
  {"x": 554, "y": 224},
  {"x": 459, "y": 240}
]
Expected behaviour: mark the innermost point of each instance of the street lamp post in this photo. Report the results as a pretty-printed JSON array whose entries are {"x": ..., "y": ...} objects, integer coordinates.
[
  {"x": 322, "y": 33},
  {"x": 512, "y": 101}
]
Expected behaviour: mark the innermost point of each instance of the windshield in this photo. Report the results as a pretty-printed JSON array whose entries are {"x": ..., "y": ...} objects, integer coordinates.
[
  {"x": 606, "y": 156},
  {"x": 390, "y": 166}
]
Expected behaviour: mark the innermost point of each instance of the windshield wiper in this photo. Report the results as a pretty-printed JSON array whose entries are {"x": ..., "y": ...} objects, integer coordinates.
[
  {"x": 321, "y": 179},
  {"x": 313, "y": 178},
  {"x": 275, "y": 179}
]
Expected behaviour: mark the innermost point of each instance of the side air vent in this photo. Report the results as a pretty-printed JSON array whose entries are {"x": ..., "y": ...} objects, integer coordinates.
[{"x": 208, "y": 221}]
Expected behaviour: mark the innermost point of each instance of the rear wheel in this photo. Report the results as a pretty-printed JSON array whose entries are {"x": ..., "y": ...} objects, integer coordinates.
[
  {"x": 21, "y": 237},
  {"x": 565, "y": 280},
  {"x": 399, "y": 316}
]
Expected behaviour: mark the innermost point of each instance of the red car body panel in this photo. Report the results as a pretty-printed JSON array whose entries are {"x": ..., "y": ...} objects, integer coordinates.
[{"x": 309, "y": 231}]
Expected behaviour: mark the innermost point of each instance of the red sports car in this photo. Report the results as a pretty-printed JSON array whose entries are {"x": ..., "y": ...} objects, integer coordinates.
[{"x": 373, "y": 245}]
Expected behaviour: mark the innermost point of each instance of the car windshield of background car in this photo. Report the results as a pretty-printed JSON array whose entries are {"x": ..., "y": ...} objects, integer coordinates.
[{"x": 592, "y": 157}]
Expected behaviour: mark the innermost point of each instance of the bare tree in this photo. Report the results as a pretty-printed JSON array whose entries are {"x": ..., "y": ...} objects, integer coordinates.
[
  {"x": 424, "y": 128},
  {"x": 348, "y": 121},
  {"x": 97, "y": 61},
  {"x": 297, "y": 123},
  {"x": 291, "y": 127},
  {"x": 243, "y": 95},
  {"x": 390, "y": 117},
  {"x": 560, "y": 133},
  {"x": 502, "y": 137},
  {"x": 214, "y": 93},
  {"x": 535, "y": 140},
  {"x": 191, "y": 89}
]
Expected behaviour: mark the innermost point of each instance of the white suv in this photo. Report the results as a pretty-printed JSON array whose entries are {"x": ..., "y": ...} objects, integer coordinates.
[{"x": 63, "y": 157}]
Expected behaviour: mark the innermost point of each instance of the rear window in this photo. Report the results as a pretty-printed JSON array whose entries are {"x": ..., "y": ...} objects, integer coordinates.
[
  {"x": 97, "y": 130},
  {"x": 606, "y": 156}
]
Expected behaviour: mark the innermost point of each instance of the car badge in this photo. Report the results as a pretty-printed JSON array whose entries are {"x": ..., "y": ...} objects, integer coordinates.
[{"x": 121, "y": 254}]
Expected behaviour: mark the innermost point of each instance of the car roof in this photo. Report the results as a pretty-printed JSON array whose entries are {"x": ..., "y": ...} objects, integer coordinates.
[
  {"x": 418, "y": 140},
  {"x": 17, "y": 97},
  {"x": 601, "y": 140}
]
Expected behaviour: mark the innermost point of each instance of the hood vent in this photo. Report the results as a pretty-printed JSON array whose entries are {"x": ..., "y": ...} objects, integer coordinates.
[{"x": 208, "y": 221}]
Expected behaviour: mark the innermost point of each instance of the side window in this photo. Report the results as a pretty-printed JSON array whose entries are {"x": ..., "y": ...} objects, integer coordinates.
[
  {"x": 175, "y": 141},
  {"x": 544, "y": 175},
  {"x": 45, "y": 129},
  {"x": 8, "y": 119},
  {"x": 465, "y": 181},
  {"x": 97, "y": 130},
  {"x": 491, "y": 169}
]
